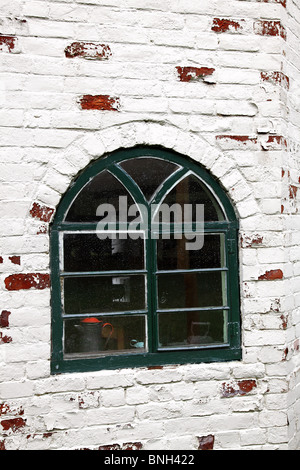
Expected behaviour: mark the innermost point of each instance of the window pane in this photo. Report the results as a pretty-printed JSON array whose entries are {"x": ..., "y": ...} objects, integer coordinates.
[
  {"x": 192, "y": 329},
  {"x": 104, "y": 188},
  {"x": 149, "y": 173},
  {"x": 87, "y": 252},
  {"x": 92, "y": 294},
  {"x": 105, "y": 335},
  {"x": 191, "y": 290},
  {"x": 173, "y": 253},
  {"x": 191, "y": 190}
]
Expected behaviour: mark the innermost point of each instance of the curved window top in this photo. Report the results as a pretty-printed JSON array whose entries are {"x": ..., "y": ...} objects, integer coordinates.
[{"x": 144, "y": 176}]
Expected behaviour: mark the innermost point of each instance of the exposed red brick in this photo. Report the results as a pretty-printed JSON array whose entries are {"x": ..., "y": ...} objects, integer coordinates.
[
  {"x": 14, "y": 424},
  {"x": 155, "y": 367},
  {"x": 100, "y": 102},
  {"x": 4, "y": 323},
  {"x": 2, "y": 445},
  {"x": 293, "y": 191},
  {"x": 186, "y": 74},
  {"x": 253, "y": 240},
  {"x": 277, "y": 78},
  {"x": 206, "y": 442},
  {"x": 272, "y": 275},
  {"x": 132, "y": 446},
  {"x": 282, "y": 2},
  {"x": 15, "y": 259},
  {"x": 269, "y": 28},
  {"x": 241, "y": 388},
  {"x": 40, "y": 212},
  {"x": 7, "y": 43},
  {"x": 27, "y": 281},
  {"x": 239, "y": 138},
  {"x": 88, "y": 50},
  {"x": 110, "y": 447},
  {"x": 284, "y": 321},
  {"x": 4, "y": 408},
  {"x": 223, "y": 25},
  {"x": 5, "y": 339},
  {"x": 1, "y": 259}
]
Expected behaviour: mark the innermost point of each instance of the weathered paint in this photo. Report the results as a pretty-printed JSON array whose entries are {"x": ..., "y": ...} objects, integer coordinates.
[
  {"x": 187, "y": 74},
  {"x": 99, "y": 102},
  {"x": 41, "y": 212},
  {"x": 88, "y": 50},
  {"x": 27, "y": 281},
  {"x": 272, "y": 275}
]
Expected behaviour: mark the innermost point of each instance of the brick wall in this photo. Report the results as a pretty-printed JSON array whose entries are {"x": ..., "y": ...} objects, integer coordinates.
[{"x": 215, "y": 80}]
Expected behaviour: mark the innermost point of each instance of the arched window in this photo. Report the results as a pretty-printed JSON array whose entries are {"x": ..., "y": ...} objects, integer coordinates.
[{"x": 144, "y": 266}]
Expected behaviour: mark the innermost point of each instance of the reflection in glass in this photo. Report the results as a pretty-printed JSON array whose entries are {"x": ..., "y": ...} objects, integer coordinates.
[
  {"x": 148, "y": 172},
  {"x": 192, "y": 329},
  {"x": 173, "y": 254},
  {"x": 105, "y": 335},
  {"x": 104, "y": 188},
  {"x": 94, "y": 294},
  {"x": 87, "y": 252},
  {"x": 191, "y": 190},
  {"x": 191, "y": 290}
]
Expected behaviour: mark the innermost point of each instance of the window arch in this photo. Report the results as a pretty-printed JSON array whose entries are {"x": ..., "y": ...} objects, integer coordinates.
[{"x": 144, "y": 265}]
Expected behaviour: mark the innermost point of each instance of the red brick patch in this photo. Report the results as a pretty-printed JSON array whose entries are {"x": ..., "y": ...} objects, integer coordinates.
[
  {"x": 15, "y": 259},
  {"x": 27, "y": 281},
  {"x": 88, "y": 50},
  {"x": 40, "y": 212},
  {"x": 269, "y": 28},
  {"x": 14, "y": 424},
  {"x": 293, "y": 191},
  {"x": 187, "y": 74},
  {"x": 206, "y": 442},
  {"x": 272, "y": 275},
  {"x": 4, "y": 323},
  {"x": 277, "y": 78},
  {"x": 239, "y": 138},
  {"x": 7, "y": 43},
  {"x": 240, "y": 388},
  {"x": 224, "y": 25},
  {"x": 100, "y": 102}
]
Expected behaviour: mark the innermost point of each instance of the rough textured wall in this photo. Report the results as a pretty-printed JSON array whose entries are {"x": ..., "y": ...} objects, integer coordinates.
[{"x": 215, "y": 80}]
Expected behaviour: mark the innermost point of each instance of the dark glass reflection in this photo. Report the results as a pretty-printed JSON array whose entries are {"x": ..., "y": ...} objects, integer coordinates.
[
  {"x": 148, "y": 172},
  {"x": 191, "y": 290},
  {"x": 102, "y": 189},
  {"x": 192, "y": 329},
  {"x": 173, "y": 254},
  {"x": 86, "y": 252},
  {"x": 191, "y": 190},
  {"x": 94, "y": 294}
]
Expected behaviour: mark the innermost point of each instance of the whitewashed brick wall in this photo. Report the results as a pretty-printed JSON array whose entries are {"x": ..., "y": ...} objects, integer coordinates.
[{"x": 239, "y": 117}]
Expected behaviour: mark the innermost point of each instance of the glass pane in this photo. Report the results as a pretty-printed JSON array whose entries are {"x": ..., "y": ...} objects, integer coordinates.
[
  {"x": 173, "y": 253},
  {"x": 148, "y": 172},
  {"x": 192, "y": 329},
  {"x": 105, "y": 335},
  {"x": 94, "y": 294},
  {"x": 191, "y": 290},
  {"x": 191, "y": 190},
  {"x": 87, "y": 252},
  {"x": 102, "y": 189}
]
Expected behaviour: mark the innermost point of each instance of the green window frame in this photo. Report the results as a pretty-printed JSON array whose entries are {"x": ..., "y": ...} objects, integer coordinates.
[{"x": 161, "y": 343}]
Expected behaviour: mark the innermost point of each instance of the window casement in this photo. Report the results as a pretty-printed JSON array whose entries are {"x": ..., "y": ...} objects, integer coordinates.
[{"x": 144, "y": 266}]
